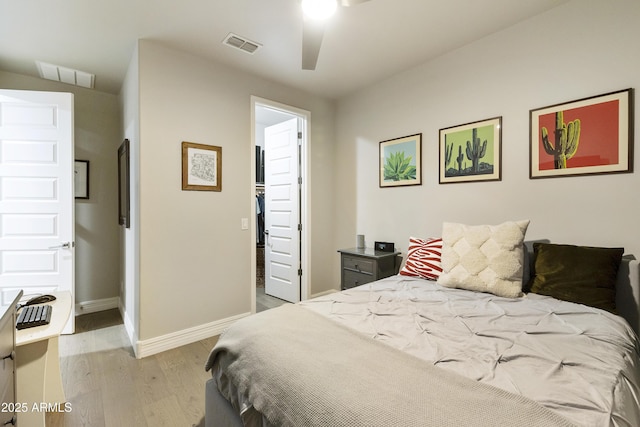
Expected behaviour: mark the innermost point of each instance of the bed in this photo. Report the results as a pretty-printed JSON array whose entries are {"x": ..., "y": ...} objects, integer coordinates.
[{"x": 407, "y": 351}]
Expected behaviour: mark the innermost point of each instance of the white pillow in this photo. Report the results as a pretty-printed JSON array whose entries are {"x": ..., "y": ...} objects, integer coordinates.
[{"x": 485, "y": 258}]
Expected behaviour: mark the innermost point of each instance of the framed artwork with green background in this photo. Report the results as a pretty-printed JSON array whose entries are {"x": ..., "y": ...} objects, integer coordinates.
[
  {"x": 400, "y": 161},
  {"x": 471, "y": 152}
]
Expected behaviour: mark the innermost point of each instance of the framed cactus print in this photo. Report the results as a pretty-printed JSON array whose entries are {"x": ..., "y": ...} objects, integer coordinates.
[
  {"x": 471, "y": 152},
  {"x": 401, "y": 161},
  {"x": 587, "y": 136}
]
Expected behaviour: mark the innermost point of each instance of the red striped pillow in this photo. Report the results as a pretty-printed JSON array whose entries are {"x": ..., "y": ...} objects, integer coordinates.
[{"x": 423, "y": 258}]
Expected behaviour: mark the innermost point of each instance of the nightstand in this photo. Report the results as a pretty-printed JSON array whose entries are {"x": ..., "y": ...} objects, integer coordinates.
[{"x": 360, "y": 266}]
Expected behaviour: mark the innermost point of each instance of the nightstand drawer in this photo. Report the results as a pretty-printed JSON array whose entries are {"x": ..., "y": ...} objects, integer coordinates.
[
  {"x": 362, "y": 265},
  {"x": 353, "y": 279},
  {"x": 359, "y": 266}
]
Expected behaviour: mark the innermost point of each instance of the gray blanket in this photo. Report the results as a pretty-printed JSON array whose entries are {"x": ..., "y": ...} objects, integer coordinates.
[{"x": 300, "y": 369}]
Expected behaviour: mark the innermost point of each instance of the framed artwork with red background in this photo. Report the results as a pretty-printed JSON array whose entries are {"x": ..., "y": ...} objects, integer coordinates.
[{"x": 587, "y": 136}]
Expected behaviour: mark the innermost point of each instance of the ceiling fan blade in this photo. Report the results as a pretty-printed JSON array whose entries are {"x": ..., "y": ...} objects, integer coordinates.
[
  {"x": 312, "y": 33},
  {"x": 348, "y": 3}
]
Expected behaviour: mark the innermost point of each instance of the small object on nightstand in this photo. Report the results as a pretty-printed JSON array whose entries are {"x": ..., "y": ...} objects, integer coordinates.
[
  {"x": 384, "y": 246},
  {"x": 363, "y": 265}
]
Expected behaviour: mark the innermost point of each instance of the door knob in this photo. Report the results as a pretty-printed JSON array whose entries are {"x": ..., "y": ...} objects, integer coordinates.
[{"x": 65, "y": 245}]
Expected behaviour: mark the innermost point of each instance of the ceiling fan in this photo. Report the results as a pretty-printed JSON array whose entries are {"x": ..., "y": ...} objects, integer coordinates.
[{"x": 315, "y": 14}]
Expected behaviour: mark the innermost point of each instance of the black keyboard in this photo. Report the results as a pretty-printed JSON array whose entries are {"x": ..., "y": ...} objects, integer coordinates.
[{"x": 34, "y": 315}]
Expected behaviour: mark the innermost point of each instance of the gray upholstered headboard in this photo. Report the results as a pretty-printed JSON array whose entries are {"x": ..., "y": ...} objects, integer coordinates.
[
  {"x": 628, "y": 291},
  {"x": 627, "y": 286}
]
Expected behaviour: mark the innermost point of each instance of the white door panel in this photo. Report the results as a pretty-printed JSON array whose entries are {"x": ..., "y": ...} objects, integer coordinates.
[
  {"x": 280, "y": 245},
  {"x": 282, "y": 216},
  {"x": 21, "y": 152},
  {"x": 281, "y": 192},
  {"x": 28, "y": 225},
  {"x": 36, "y": 194}
]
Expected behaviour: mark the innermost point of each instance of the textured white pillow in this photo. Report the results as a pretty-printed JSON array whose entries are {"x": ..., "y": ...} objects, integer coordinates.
[{"x": 485, "y": 258}]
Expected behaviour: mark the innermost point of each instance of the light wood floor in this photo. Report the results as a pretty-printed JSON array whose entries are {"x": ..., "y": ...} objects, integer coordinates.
[
  {"x": 107, "y": 386},
  {"x": 265, "y": 302}
]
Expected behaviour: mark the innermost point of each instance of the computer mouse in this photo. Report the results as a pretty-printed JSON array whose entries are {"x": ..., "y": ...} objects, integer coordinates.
[{"x": 40, "y": 299}]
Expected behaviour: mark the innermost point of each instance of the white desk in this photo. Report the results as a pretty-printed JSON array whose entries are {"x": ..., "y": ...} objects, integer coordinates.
[{"x": 38, "y": 375}]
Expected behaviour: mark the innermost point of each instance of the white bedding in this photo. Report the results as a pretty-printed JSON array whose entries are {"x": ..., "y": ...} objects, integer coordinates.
[
  {"x": 583, "y": 363},
  {"x": 579, "y": 361},
  {"x": 301, "y": 369}
]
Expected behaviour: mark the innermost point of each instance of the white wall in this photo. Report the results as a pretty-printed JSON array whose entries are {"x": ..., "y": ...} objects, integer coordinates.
[
  {"x": 194, "y": 257},
  {"x": 581, "y": 49},
  {"x": 129, "y": 237},
  {"x": 96, "y": 129}
]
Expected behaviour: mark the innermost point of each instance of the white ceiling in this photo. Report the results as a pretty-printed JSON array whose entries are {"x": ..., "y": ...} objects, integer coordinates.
[{"x": 362, "y": 44}]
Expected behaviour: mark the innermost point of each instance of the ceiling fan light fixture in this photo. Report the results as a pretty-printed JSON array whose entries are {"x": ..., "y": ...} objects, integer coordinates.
[{"x": 319, "y": 9}]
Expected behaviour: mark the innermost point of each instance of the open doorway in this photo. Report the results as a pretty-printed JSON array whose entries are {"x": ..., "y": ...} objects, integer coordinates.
[{"x": 280, "y": 172}]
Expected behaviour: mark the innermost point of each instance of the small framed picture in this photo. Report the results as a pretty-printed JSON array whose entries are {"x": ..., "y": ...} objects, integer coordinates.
[
  {"x": 201, "y": 167},
  {"x": 401, "y": 161},
  {"x": 471, "y": 152},
  {"x": 582, "y": 137},
  {"x": 81, "y": 179}
]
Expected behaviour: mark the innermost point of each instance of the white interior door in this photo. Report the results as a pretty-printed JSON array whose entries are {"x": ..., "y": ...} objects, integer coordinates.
[
  {"x": 36, "y": 194},
  {"x": 282, "y": 211}
]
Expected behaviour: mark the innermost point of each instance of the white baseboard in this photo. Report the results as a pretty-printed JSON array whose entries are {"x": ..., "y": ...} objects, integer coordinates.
[
  {"x": 93, "y": 306},
  {"x": 323, "y": 293},
  {"x": 173, "y": 340},
  {"x": 128, "y": 327}
]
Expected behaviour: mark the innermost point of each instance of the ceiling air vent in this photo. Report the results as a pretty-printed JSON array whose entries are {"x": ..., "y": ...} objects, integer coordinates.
[
  {"x": 241, "y": 43},
  {"x": 65, "y": 75}
]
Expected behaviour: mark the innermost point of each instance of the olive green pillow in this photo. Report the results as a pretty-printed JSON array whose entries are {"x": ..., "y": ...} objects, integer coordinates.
[{"x": 581, "y": 274}]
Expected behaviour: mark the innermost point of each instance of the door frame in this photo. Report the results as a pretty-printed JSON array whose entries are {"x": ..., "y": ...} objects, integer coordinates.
[{"x": 305, "y": 216}]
